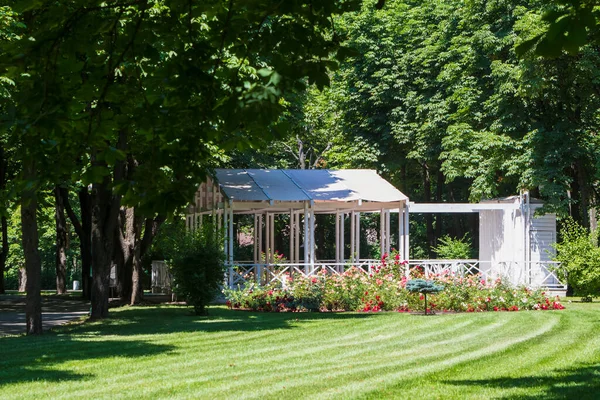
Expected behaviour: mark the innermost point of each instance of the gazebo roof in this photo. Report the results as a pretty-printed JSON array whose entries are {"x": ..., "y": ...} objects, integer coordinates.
[{"x": 320, "y": 187}]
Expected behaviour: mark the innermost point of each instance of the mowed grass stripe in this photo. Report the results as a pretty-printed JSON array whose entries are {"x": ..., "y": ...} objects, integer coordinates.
[
  {"x": 281, "y": 351},
  {"x": 238, "y": 381},
  {"x": 302, "y": 345},
  {"x": 376, "y": 368}
]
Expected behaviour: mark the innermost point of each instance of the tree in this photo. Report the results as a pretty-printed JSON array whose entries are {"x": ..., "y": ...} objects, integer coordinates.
[{"x": 167, "y": 85}]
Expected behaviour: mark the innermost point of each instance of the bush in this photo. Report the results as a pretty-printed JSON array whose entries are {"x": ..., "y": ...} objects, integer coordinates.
[
  {"x": 197, "y": 268},
  {"x": 580, "y": 257},
  {"x": 453, "y": 248}
]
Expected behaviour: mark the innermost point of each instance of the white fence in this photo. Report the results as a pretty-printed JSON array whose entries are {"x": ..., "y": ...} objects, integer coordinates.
[{"x": 533, "y": 274}]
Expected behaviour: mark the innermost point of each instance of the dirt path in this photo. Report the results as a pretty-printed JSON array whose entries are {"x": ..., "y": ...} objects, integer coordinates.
[{"x": 55, "y": 311}]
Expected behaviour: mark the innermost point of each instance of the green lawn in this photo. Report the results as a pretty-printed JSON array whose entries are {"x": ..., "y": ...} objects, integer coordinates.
[{"x": 164, "y": 352}]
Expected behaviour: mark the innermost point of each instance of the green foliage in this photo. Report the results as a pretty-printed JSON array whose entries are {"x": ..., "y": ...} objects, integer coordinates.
[
  {"x": 197, "y": 268},
  {"x": 579, "y": 254},
  {"x": 568, "y": 26},
  {"x": 449, "y": 248}
]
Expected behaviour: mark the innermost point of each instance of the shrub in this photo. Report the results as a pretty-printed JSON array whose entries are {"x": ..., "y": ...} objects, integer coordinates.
[
  {"x": 450, "y": 248},
  {"x": 197, "y": 268},
  {"x": 580, "y": 257}
]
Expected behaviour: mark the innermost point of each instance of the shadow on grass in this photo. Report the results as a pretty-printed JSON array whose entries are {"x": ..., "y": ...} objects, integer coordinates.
[
  {"x": 175, "y": 319},
  {"x": 29, "y": 359},
  {"x": 581, "y": 382}
]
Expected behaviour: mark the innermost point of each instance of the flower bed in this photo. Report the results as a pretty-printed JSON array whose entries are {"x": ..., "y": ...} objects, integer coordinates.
[{"x": 385, "y": 290}]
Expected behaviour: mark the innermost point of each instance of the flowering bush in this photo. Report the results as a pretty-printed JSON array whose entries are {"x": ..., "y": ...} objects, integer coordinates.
[{"x": 384, "y": 289}]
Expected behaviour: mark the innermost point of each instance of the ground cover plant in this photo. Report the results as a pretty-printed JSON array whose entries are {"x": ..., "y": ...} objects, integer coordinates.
[
  {"x": 385, "y": 289},
  {"x": 166, "y": 352}
]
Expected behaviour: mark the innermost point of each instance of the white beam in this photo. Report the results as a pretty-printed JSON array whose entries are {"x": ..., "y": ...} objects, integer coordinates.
[{"x": 459, "y": 207}]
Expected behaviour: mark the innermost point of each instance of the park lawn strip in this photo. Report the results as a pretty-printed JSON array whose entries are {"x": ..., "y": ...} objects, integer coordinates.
[{"x": 164, "y": 352}]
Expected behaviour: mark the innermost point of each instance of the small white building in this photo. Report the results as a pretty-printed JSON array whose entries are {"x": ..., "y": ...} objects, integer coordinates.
[{"x": 516, "y": 242}]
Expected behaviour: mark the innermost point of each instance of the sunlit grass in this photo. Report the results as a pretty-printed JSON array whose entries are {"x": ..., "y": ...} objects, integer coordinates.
[{"x": 165, "y": 352}]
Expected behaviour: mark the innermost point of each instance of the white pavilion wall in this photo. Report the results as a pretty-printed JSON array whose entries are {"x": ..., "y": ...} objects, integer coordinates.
[{"x": 502, "y": 242}]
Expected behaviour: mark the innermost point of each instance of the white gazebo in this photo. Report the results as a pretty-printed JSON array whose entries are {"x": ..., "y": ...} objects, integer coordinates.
[
  {"x": 301, "y": 194},
  {"x": 514, "y": 242}
]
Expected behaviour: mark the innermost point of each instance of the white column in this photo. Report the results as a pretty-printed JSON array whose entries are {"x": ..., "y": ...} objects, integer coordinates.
[
  {"x": 306, "y": 238},
  {"x": 406, "y": 233},
  {"x": 297, "y": 237},
  {"x": 256, "y": 244},
  {"x": 382, "y": 233},
  {"x": 291, "y": 252},
  {"x": 226, "y": 235},
  {"x": 352, "y": 236},
  {"x": 357, "y": 239},
  {"x": 260, "y": 238},
  {"x": 342, "y": 234},
  {"x": 337, "y": 237},
  {"x": 268, "y": 238},
  {"x": 230, "y": 233},
  {"x": 312, "y": 239},
  {"x": 388, "y": 230},
  {"x": 272, "y": 237}
]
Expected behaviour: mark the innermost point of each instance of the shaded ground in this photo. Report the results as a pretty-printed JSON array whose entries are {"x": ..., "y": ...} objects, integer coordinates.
[{"x": 56, "y": 310}]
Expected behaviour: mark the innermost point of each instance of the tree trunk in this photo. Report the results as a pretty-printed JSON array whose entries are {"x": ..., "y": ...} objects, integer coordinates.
[
  {"x": 137, "y": 292},
  {"x": 4, "y": 222},
  {"x": 61, "y": 243},
  {"x": 104, "y": 221},
  {"x": 83, "y": 229},
  {"x": 85, "y": 242},
  {"x": 124, "y": 248},
  {"x": 105, "y": 217},
  {"x": 33, "y": 265},
  {"x": 22, "y": 280},
  {"x": 4, "y": 253}
]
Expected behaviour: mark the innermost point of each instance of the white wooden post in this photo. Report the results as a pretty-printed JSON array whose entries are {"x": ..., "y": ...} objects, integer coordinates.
[
  {"x": 306, "y": 238},
  {"x": 267, "y": 240},
  {"x": 342, "y": 238},
  {"x": 260, "y": 246},
  {"x": 352, "y": 233},
  {"x": 256, "y": 244},
  {"x": 406, "y": 214},
  {"x": 272, "y": 238},
  {"x": 357, "y": 240},
  {"x": 382, "y": 233},
  {"x": 388, "y": 230},
  {"x": 231, "y": 233},
  {"x": 297, "y": 238},
  {"x": 312, "y": 238},
  {"x": 291, "y": 254},
  {"x": 226, "y": 235},
  {"x": 337, "y": 237}
]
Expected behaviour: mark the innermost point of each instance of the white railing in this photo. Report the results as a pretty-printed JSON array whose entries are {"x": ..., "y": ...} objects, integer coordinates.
[{"x": 534, "y": 273}]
